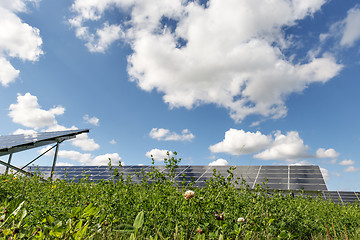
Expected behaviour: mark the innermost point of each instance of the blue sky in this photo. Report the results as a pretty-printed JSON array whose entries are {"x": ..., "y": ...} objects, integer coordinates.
[{"x": 220, "y": 81}]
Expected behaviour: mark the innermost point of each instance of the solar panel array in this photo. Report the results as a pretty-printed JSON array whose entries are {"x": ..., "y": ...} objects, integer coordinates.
[
  {"x": 306, "y": 180},
  {"x": 19, "y": 142}
]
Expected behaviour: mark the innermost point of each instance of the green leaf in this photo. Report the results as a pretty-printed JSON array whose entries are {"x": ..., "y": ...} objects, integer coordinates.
[
  {"x": 15, "y": 212},
  {"x": 80, "y": 234},
  {"x": 90, "y": 211},
  {"x": 75, "y": 211},
  {"x": 68, "y": 223},
  {"x": 50, "y": 219},
  {"x": 139, "y": 220},
  {"x": 125, "y": 228},
  {"x": 7, "y": 232},
  {"x": 271, "y": 220},
  {"x": 58, "y": 233},
  {"x": 132, "y": 237},
  {"x": 22, "y": 217},
  {"x": 78, "y": 225}
]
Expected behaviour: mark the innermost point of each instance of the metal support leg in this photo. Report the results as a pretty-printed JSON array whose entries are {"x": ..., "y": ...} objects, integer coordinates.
[
  {"x": 54, "y": 163},
  {"x": 9, "y": 161}
]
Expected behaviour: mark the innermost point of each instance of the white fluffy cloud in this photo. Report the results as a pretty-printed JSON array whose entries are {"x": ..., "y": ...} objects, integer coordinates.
[
  {"x": 59, "y": 127},
  {"x": 7, "y": 72},
  {"x": 104, "y": 159},
  {"x": 229, "y": 53},
  {"x": 325, "y": 173},
  {"x": 104, "y": 37},
  {"x": 16, "y": 5},
  {"x": 351, "y": 169},
  {"x": 301, "y": 163},
  {"x": 92, "y": 120},
  {"x": 85, "y": 143},
  {"x": 219, "y": 162},
  {"x": 351, "y": 32},
  {"x": 288, "y": 147},
  {"x": 328, "y": 153},
  {"x": 64, "y": 164},
  {"x": 89, "y": 160},
  {"x": 167, "y": 135},
  {"x": 28, "y": 112},
  {"x": 240, "y": 142},
  {"x": 345, "y": 31},
  {"x": 25, "y": 131},
  {"x": 158, "y": 154},
  {"x": 83, "y": 158},
  {"x": 347, "y": 162},
  {"x": 17, "y": 39}
]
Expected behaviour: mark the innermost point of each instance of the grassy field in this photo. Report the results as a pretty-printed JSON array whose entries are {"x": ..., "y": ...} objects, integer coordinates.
[{"x": 158, "y": 209}]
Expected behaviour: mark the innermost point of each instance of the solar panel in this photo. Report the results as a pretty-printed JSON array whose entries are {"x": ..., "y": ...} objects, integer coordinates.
[{"x": 19, "y": 142}]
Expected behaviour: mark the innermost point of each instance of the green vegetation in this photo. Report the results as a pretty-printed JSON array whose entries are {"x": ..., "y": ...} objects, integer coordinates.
[{"x": 158, "y": 209}]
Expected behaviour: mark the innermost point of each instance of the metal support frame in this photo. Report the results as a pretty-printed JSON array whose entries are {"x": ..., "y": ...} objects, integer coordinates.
[
  {"x": 54, "y": 162},
  {"x": 9, "y": 161},
  {"x": 21, "y": 170},
  {"x": 15, "y": 168},
  {"x": 38, "y": 157},
  {"x": 33, "y": 142}
]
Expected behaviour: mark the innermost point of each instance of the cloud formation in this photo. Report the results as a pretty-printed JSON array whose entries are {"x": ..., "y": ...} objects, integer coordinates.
[
  {"x": 86, "y": 159},
  {"x": 219, "y": 162},
  {"x": 85, "y": 143},
  {"x": 351, "y": 169},
  {"x": 347, "y": 162},
  {"x": 285, "y": 147},
  {"x": 163, "y": 134},
  {"x": 64, "y": 164},
  {"x": 158, "y": 155},
  {"x": 351, "y": 31},
  {"x": 238, "y": 142},
  {"x": 28, "y": 132},
  {"x": 325, "y": 173},
  {"x": 328, "y": 153},
  {"x": 346, "y": 31},
  {"x": 17, "y": 39},
  {"x": 289, "y": 147},
  {"x": 28, "y": 112},
  {"x": 93, "y": 120},
  {"x": 89, "y": 160},
  {"x": 228, "y": 53}
]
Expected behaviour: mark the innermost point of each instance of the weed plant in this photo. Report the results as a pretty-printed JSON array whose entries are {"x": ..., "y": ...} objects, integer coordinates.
[{"x": 157, "y": 208}]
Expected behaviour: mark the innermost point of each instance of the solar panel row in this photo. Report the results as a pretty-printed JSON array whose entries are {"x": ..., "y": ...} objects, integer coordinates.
[
  {"x": 341, "y": 196},
  {"x": 308, "y": 178}
]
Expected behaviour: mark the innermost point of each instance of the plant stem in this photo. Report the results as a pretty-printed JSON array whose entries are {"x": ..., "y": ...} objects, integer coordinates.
[{"x": 187, "y": 222}]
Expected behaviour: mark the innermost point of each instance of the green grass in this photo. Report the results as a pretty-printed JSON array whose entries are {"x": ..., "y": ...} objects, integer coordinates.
[{"x": 31, "y": 209}]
